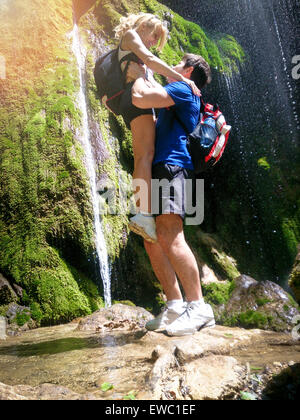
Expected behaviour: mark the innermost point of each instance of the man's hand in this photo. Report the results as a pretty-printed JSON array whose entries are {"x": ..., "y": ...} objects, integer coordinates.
[{"x": 136, "y": 70}]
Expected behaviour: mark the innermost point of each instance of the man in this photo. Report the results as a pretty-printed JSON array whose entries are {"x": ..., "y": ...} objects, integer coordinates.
[{"x": 171, "y": 256}]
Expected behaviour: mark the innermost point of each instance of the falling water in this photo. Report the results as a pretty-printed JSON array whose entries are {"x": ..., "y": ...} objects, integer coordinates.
[
  {"x": 90, "y": 165},
  {"x": 285, "y": 68}
]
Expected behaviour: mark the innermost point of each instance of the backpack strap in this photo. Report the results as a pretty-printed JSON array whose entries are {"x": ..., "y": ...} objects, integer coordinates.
[
  {"x": 179, "y": 120},
  {"x": 173, "y": 109}
]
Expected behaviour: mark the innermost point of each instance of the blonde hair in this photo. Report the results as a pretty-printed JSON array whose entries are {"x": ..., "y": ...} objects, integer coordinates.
[{"x": 135, "y": 21}]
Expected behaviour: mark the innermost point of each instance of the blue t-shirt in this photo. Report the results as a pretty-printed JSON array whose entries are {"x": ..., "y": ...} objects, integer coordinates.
[{"x": 170, "y": 145}]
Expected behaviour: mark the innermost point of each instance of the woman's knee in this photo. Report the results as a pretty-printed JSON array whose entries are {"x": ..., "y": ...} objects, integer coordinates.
[{"x": 146, "y": 158}]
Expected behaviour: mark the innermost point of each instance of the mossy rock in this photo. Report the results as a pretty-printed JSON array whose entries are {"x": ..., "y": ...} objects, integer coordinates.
[
  {"x": 217, "y": 293},
  {"x": 263, "y": 305}
]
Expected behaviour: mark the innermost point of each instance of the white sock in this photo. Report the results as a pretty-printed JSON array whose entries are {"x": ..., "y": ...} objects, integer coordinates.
[
  {"x": 198, "y": 303},
  {"x": 145, "y": 213},
  {"x": 176, "y": 304}
]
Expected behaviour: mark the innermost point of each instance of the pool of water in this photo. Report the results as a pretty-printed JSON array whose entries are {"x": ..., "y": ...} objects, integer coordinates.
[{"x": 74, "y": 359}]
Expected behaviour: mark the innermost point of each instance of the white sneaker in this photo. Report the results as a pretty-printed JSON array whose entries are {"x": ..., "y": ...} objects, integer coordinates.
[
  {"x": 144, "y": 226},
  {"x": 165, "y": 318},
  {"x": 192, "y": 320}
]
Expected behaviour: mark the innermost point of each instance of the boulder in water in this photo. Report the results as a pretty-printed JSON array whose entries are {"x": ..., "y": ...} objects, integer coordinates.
[
  {"x": 263, "y": 305},
  {"x": 117, "y": 317}
]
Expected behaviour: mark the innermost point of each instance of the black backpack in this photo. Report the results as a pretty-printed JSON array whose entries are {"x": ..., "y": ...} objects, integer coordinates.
[
  {"x": 206, "y": 144},
  {"x": 110, "y": 80}
]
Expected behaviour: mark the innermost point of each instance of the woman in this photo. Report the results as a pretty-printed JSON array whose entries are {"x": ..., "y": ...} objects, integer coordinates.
[{"x": 137, "y": 34}]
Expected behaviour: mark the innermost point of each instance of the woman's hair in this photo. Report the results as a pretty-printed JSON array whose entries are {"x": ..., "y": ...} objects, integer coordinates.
[
  {"x": 201, "y": 74},
  {"x": 135, "y": 21}
]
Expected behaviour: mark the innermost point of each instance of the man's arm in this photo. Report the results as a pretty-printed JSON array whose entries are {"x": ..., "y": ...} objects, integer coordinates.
[{"x": 145, "y": 95}]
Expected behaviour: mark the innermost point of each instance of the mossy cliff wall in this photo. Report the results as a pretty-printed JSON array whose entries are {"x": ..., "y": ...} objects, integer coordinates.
[{"x": 46, "y": 218}]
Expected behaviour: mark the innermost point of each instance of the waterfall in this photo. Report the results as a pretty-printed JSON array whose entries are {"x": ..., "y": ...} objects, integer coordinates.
[
  {"x": 286, "y": 71},
  {"x": 90, "y": 166}
]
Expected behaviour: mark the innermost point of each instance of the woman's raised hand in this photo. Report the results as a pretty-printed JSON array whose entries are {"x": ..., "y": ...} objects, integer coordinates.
[{"x": 192, "y": 84}]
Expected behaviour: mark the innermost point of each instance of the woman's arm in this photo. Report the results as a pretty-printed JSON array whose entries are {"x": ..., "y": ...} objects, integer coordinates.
[{"x": 132, "y": 42}]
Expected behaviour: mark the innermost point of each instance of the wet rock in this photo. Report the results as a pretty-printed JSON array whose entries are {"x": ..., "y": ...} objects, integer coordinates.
[
  {"x": 207, "y": 275},
  {"x": 202, "y": 366},
  {"x": 285, "y": 385},
  {"x": 18, "y": 289},
  {"x": 217, "y": 378},
  {"x": 207, "y": 365},
  {"x": 263, "y": 305},
  {"x": 41, "y": 392},
  {"x": 117, "y": 317},
  {"x": 18, "y": 319},
  {"x": 14, "y": 309},
  {"x": 7, "y": 294}
]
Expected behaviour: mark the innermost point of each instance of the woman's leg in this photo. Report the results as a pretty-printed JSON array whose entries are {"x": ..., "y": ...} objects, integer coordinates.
[{"x": 143, "y": 140}]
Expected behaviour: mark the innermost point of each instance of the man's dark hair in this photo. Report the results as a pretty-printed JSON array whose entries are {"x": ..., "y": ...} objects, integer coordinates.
[{"x": 201, "y": 74}]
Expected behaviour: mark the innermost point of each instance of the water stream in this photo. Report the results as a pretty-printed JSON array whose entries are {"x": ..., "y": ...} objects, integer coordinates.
[{"x": 90, "y": 165}]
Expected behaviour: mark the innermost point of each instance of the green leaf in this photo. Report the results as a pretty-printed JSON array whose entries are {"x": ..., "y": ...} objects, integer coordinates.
[
  {"x": 129, "y": 396},
  {"x": 106, "y": 386},
  {"x": 256, "y": 368},
  {"x": 247, "y": 396}
]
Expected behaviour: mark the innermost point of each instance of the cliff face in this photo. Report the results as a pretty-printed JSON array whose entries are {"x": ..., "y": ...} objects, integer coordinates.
[
  {"x": 46, "y": 216},
  {"x": 46, "y": 221},
  {"x": 252, "y": 198}
]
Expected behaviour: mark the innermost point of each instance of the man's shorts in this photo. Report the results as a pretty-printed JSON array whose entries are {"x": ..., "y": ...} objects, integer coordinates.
[{"x": 172, "y": 195}]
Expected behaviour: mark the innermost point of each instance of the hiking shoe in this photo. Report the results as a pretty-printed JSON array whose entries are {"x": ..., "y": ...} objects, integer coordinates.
[
  {"x": 192, "y": 320},
  {"x": 165, "y": 318},
  {"x": 144, "y": 226}
]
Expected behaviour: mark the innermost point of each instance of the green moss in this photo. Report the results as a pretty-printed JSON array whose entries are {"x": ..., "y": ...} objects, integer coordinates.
[
  {"x": 263, "y": 163},
  {"x": 216, "y": 293},
  {"x": 253, "y": 319},
  {"x": 293, "y": 302},
  {"x": 209, "y": 249},
  {"x": 249, "y": 319},
  {"x": 44, "y": 194},
  {"x": 262, "y": 301},
  {"x": 22, "y": 317},
  {"x": 3, "y": 310},
  {"x": 222, "y": 51},
  {"x": 123, "y": 302},
  {"x": 36, "y": 312}
]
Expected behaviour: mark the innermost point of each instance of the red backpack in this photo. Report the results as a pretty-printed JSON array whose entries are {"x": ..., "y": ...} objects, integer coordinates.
[{"x": 206, "y": 144}]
